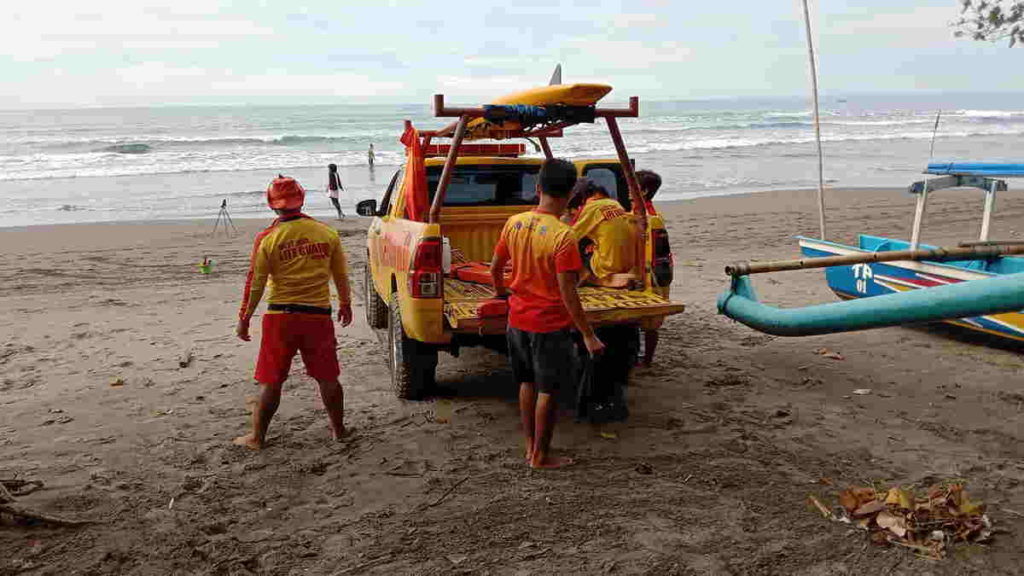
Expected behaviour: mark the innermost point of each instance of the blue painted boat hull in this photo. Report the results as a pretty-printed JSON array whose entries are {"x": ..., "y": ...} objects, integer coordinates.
[{"x": 880, "y": 279}]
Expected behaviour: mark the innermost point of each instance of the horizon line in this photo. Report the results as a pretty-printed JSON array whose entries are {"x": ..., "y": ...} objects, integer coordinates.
[{"x": 363, "y": 101}]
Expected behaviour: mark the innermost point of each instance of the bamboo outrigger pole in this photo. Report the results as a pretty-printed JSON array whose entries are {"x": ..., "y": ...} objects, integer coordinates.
[
  {"x": 817, "y": 122},
  {"x": 988, "y": 250}
]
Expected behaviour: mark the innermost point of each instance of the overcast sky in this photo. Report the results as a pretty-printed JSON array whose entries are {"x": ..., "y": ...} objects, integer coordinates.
[{"x": 144, "y": 52}]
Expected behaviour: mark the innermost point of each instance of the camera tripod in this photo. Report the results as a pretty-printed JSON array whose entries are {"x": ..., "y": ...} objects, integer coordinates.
[{"x": 223, "y": 215}]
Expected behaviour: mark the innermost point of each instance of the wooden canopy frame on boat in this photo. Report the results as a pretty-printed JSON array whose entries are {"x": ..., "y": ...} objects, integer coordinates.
[
  {"x": 952, "y": 178},
  {"x": 457, "y": 132},
  {"x": 983, "y": 176}
]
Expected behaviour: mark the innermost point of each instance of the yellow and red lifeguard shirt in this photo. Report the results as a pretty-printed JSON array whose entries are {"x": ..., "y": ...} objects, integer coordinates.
[
  {"x": 614, "y": 233},
  {"x": 297, "y": 256},
  {"x": 540, "y": 246}
]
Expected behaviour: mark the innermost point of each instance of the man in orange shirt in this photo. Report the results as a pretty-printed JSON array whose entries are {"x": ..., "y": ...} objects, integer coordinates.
[
  {"x": 543, "y": 306},
  {"x": 299, "y": 255}
]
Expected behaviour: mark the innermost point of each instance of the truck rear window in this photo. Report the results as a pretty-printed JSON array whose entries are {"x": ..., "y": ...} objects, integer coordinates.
[
  {"x": 610, "y": 177},
  {"x": 510, "y": 185}
]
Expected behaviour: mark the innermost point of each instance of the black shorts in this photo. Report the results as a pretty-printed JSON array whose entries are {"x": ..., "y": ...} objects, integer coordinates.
[{"x": 547, "y": 359}]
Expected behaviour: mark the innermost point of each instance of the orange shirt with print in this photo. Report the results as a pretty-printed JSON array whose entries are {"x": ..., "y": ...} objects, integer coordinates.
[{"x": 540, "y": 246}]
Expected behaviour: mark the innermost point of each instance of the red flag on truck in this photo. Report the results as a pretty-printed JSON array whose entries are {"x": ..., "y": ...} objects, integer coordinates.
[{"x": 416, "y": 204}]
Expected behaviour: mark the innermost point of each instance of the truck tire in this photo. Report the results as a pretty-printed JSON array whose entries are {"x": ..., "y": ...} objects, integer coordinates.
[
  {"x": 413, "y": 364},
  {"x": 376, "y": 308}
]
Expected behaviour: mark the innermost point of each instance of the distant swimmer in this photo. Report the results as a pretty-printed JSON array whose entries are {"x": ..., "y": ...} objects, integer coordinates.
[
  {"x": 299, "y": 256},
  {"x": 334, "y": 188},
  {"x": 370, "y": 156}
]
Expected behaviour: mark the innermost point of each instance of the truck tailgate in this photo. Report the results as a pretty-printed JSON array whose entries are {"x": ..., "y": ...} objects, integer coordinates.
[{"x": 603, "y": 306}]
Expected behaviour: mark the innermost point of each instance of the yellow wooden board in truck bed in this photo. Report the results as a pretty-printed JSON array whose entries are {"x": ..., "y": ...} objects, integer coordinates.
[{"x": 602, "y": 305}]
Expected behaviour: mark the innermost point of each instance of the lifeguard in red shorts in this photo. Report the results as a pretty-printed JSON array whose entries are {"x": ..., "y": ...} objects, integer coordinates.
[{"x": 300, "y": 256}]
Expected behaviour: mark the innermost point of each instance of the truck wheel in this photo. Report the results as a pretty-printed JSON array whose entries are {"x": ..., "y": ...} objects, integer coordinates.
[
  {"x": 413, "y": 364},
  {"x": 376, "y": 308}
]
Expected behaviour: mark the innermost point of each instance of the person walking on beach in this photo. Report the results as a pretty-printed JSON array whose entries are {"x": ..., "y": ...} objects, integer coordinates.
[
  {"x": 543, "y": 307},
  {"x": 334, "y": 188},
  {"x": 299, "y": 255},
  {"x": 370, "y": 156},
  {"x": 650, "y": 183}
]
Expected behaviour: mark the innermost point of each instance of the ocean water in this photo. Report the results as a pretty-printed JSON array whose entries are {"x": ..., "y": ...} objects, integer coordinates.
[{"x": 91, "y": 165}]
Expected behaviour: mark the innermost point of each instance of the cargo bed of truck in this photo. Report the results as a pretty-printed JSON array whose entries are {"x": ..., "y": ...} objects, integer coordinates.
[{"x": 603, "y": 306}]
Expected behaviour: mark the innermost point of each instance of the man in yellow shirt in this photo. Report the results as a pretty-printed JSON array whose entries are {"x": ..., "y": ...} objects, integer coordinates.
[
  {"x": 610, "y": 234},
  {"x": 299, "y": 256}
]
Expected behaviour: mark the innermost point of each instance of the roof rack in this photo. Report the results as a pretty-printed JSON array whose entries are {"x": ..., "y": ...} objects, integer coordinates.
[
  {"x": 540, "y": 122},
  {"x": 561, "y": 117}
]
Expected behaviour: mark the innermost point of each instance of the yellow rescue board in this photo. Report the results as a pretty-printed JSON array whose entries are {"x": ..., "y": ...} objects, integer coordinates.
[
  {"x": 564, "y": 94},
  {"x": 602, "y": 305}
]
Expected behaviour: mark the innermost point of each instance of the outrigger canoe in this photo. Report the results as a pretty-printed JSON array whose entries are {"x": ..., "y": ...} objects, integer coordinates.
[
  {"x": 864, "y": 280},
  {"x": 888, "y": 282}
]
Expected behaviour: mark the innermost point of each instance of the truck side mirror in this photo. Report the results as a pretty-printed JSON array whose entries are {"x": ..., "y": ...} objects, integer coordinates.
[{"x": 367, "y": 207}]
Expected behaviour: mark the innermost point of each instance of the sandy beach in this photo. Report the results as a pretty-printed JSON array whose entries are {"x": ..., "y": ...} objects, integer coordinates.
[{"x": 730, "y": 432}]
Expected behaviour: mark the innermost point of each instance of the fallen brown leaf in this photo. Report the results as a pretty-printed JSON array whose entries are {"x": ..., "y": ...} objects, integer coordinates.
[
  {"x": 900, "y": 498},
  {"x": 872, "y": 507}
]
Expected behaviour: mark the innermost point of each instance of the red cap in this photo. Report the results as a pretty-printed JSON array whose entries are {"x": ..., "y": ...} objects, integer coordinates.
[{"x": 285, "y": 194}]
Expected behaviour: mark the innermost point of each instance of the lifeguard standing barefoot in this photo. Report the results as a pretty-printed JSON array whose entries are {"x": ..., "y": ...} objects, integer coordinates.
[
  {"x": 300, "y": 256},
  {"x": 543, "y": 307}
]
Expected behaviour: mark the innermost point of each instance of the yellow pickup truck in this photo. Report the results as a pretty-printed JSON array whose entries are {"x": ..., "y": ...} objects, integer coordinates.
[{"x": 425, "y": 279}]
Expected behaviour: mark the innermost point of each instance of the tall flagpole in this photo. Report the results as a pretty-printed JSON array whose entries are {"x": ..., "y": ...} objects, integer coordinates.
[{"x": 817, "y": 122}]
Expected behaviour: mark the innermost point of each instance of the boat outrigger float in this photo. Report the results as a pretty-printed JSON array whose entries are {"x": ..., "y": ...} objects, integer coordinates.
[{"x": 889, "y": 282}]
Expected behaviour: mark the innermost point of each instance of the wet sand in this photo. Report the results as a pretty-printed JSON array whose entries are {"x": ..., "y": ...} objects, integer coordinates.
[{"x": 730, "y": 431}]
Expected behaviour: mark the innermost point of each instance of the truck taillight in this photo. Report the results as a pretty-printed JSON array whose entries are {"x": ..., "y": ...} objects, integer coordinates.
[
  {"x": 425, "y": 276},
  {"x": 662, "y": 252}
]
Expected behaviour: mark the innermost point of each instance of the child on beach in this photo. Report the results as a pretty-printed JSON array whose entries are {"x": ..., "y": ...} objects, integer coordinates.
[
  {"x": 609, "y": 234},
  {"x": 370, "y": 156},
  {"x": 299, "y": 255},
  {"x": 543, "y": 307},
  {"x": 334, "y": 187}
]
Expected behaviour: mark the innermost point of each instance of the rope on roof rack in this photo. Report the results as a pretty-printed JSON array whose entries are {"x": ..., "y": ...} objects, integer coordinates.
[{"x": 529, "y": 116}]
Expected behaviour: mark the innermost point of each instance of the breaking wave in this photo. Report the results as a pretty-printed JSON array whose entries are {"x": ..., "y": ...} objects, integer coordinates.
[{"x": 135, "y": 148}]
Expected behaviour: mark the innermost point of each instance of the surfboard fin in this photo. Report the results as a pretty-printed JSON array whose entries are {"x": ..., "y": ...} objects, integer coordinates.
[{"x": 556, "y": 76}]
